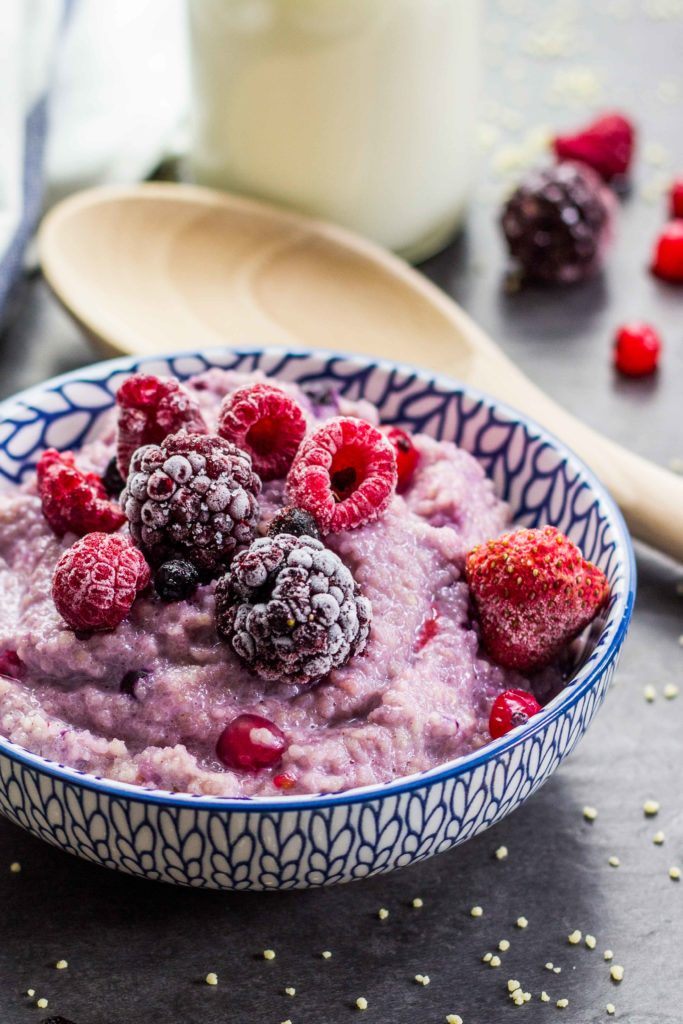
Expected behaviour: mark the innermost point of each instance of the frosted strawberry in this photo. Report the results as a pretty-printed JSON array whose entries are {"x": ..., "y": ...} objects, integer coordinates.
[
  {"x": 534, "y": 592},
  {"x": 606, "y": 145},
  {"x": 265, "y": 422},
  {"x": 74, "y": 501},
  {"x": 151, "y": 408}
]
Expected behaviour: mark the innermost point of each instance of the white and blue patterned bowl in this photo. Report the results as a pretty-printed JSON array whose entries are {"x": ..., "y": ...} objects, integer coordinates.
[{"x": 271, "y": 843}]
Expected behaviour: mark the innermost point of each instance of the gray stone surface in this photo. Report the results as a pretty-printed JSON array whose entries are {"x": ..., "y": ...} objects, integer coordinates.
[{"x": 138, "y": 952}]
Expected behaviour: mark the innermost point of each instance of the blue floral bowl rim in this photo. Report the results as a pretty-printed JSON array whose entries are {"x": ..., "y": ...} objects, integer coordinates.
[{"x": 567, "y": 698}]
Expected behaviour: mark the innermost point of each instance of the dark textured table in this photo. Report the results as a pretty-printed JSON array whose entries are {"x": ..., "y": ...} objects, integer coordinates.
[{"x": 138, "y": 953}]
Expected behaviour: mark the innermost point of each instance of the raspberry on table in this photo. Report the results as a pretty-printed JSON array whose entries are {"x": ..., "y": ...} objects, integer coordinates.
[
  {"x": 74, "y": 501},
  {"x": 667, "y": 260},
  {"x": 295, "y": 521},
  {"x": 558, "y": 223},
  {"x": 194, "y": 498},
  {"x": 510, "y": 709},
  {"x": 344, "y": 474},
  {"x": 151, "y": 408},
  {"x": 407, "y": 457},
  {"x": 636, "y": 350},
  {"x": 265, "y": 422},
  {"x": 534, "y": 592},
  {"x": 96, "y": 581},
  {"x": 291, "y": 609},
  {"x": 606, "y": 145}
]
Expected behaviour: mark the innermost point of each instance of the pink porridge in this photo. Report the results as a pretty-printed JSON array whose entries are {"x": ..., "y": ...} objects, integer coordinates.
[{"x": 147, "y": 702}]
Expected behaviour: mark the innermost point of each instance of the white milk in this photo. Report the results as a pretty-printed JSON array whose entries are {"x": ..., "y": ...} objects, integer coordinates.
[{"x": 359, "y": 111}]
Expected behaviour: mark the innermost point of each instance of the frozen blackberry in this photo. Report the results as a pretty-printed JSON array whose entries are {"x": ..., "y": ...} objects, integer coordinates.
[
  {"x": 558, "y": 223},
  {"x": 112, "y": 479},
  {"x": 194, "y": 498},
  {"x": 176, "y": 580},
  {"x": 291, "y": 609},
  {"x": 295, "y": 521}
]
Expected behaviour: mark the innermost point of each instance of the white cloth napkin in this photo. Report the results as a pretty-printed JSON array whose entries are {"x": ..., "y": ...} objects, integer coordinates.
[{"x": 91, "y": 92}]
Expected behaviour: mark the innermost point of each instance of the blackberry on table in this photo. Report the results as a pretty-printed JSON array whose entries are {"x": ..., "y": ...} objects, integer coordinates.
[
  {"x": 193, "y": 497},
  {"x": 291, "y": 609}
]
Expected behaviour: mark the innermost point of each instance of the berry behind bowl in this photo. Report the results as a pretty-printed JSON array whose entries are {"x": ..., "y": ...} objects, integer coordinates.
[{"x": 299, "y": 841}]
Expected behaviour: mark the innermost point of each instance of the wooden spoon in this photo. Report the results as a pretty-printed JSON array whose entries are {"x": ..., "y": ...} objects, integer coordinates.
[{"x": 161, "y": 267}]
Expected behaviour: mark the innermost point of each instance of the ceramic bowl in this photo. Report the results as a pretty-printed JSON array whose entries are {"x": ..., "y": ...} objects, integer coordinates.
[{"x": 274, "y": 843}]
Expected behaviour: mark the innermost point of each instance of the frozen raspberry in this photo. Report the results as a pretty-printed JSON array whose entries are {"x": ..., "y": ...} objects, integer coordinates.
[
  {"x": 251, "y": 742},
  {"x": 606, "y": 145},
  {"x": 344, "y": 474},
  {"x": 267, "y": 423},
  {"x": 636, "y": 350},
  {"x": 291, "y": 609},
  {"x": 667, "y": 260},
  {"x": 295, "y": 521},
  {"x": 11, "y": 665},
  {"x": 73, "y": 501},
  {"x": 676, "y": 199},
  {"x": 176, "y": 580},
  {"x": 151, "y": 408},
  {"x": 194, "y": 498},
  {"x": 96, "y": 581},
  {"x": 112, "y": 480},
  {"x": 407, "y": 457},
  {"x": 510, "y": 709},
  {"x": 558, "y": 223},
  {"x": 534, "y": 592}
]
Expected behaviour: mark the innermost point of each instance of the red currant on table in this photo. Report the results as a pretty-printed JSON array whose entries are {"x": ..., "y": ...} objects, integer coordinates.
[
  {"x": 510, "y": 709},
  {"x": 407, "y": 456},
  {"x": 676, "y": 198},
  {"x": 636, "y": 350},
  {"x": 667, "y": 261},
  {"x": 250, "y": 742}
]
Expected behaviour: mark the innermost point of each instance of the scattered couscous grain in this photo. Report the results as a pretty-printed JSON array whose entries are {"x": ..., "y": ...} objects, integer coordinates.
[
  {"x": 15, "y": 867},
  {"x": 549, "y": 966},
  {"x": 614, "y": 862},
  {"x": 616, "y": 972},
  {"x": 501, "y": 853},
  {"x": 611, "y": 1009},
  {"x": 670, "y": 691},
  {"x": 422, "y": 979},
  {"x": 41, "y": 1003},
  {"x": 545, "y": 998},
  {"x": 361, "y": 1003},
  {"x": 268, "y": 954},
  {"x": 504, "y": 945},
  {"x": 417, "y": 903},
  {"x": 526, "y": 996},
  {"x": 608, "y": 954},
  {"x": 454, "y": 1018},
  {"x": 61, "y": 965},
  {"x": 651, "y": 807},
  {"x": 476, "y": 912},
  {"x": 288, "y": 1021},
  {"x": 211, "y": 978},
  {"x": 557, "y": 970},
  {"x": 658, "y": 838},
  {"x": 591, "y": 941},
  {"x": 574, "y": 937},
  {"x": 495, "y": 961},
  {"x": 562, "y": 1004},
  {"x": 383, "y": 913},
  {"x": 649, "y": 693},
  {"x": 326, "y": 954},
  {"x": 675, "y": 874},
  {"x": 590, "y": 813},
  {"x": 290, "y": 991},
  {"x": 487, "y": 958},
  {"x": 521, "y": 922},
  {"x": 513, "y": 985},
  {"x": 30, "y": 992}
]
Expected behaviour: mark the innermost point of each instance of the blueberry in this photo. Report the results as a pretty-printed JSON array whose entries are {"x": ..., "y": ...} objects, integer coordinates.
[
  {"x": 112, "y": 479},
  {"x": 295, "y": 521},
  {"x": 176, "y": 580}
]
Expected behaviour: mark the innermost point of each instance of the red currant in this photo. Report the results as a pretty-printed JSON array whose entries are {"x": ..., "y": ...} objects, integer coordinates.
[
  {"x": 284, "y": 781},
  {"x": 510, "y": 709},
  {"x": 407, "y": 456},
  {"x": 636, "y": 350},
  {"x": 667, "y": 261},
  {"x": 676, "y": 198},
  {"x": 250, "y": 742}
]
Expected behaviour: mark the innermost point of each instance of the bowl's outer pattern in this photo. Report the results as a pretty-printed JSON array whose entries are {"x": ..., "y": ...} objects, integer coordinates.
[{"x": 287, "y": 843}]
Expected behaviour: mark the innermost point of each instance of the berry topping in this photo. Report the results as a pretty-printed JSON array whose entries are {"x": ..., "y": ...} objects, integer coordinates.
[
  {"x": 344, "y": 474},
  {"x": 284, "y": 781},
  {"x": 407, "y": 457},
  {"x": 534, "y": 592},
  {"x": 429, "y": 627},
  {"x": 97, "y": 580},
  {"x": 112, "y": 480},
  {"x": 558, "y": 223},
  {"x": 11, "y": 665},
  {"x": 176, "y": 580},
  {"x": 295, "y": 521},
  {"x": 606, "y": 145},
  {"x": 510, "y": 709},
  {"x": 676, "y": 198},
  {"x": 193, "y": 497},
  {"x": 291, "y": 609},
  {"x": 73, "y": 501},
  {"x": 151, "y": 408},
  {"x": 250, "y": 742},
  {"x": 636, "y": 350},
  {"x": 667, "y": 261},
  {"x": 131, "y": 679},
  {"x": 267, "y": 423}
]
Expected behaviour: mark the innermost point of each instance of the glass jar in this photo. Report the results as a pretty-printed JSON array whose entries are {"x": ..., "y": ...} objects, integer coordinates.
[{"x": 358, "y": 111}]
